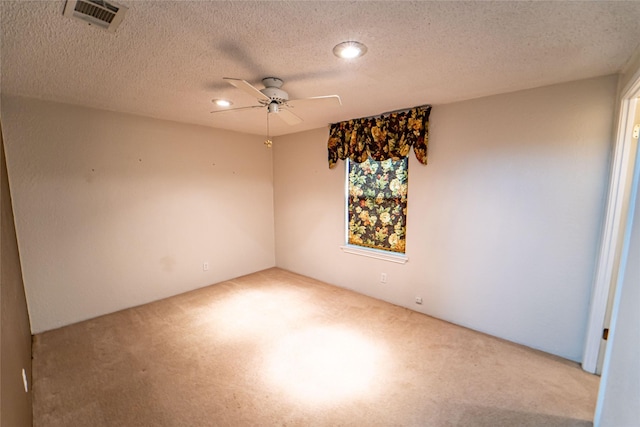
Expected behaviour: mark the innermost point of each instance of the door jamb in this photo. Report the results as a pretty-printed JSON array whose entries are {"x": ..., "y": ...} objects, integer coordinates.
[{"x": 613, "y": 232}]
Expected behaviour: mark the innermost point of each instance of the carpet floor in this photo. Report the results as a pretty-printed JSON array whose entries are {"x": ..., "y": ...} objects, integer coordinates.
[{"x": 278, "y": 349}]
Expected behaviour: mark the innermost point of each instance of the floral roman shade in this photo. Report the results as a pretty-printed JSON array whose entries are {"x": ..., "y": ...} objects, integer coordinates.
[
  {"x": 385, "y": 137},
  {"x": 377, "y": 204}
]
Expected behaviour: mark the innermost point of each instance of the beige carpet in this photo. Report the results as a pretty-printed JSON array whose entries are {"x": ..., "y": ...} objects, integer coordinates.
[{"x": 278, "y": 349}]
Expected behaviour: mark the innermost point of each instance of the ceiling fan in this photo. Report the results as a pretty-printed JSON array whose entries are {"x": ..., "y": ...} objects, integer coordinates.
[{"x": 275, "y": 100}]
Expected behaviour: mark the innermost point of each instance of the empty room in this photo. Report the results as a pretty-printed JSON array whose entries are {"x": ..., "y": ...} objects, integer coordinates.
[{"x": 319, "y": 213}]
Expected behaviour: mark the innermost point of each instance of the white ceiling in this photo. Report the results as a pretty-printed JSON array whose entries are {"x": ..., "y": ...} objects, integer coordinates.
[{"x": 168, "y": 58}]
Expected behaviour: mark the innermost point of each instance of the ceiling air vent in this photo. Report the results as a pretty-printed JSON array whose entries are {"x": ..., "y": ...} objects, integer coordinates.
[{"x": 103, "y": 14}]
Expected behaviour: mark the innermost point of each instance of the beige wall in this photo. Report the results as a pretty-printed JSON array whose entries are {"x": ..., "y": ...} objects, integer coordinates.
[
  {"x": 15, "y": 334},
  {"x": 115, "y": 210},
  {"x": 503, "y": 224}
]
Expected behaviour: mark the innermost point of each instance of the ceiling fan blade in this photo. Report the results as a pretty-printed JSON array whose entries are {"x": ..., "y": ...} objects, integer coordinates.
[
  {"x": 246, "y": 87},
  {"x": 334, "y": 99},
  {"x": 238, "y": 109},
  {"x": 288, "y": 117}
]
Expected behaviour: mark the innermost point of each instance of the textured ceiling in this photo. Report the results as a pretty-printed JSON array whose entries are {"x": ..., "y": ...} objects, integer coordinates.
[{"x": 167, "y": 59}]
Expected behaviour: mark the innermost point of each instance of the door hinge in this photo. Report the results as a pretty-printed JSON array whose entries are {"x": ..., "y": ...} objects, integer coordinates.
[{"x": 605, "y": 333}]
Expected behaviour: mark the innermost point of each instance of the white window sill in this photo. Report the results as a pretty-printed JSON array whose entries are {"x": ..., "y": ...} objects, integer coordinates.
[{"x": 372, "y": 253}]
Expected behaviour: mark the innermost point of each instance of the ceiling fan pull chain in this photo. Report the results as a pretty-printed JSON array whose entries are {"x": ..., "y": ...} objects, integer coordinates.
[{"x": 268, "y": 142}]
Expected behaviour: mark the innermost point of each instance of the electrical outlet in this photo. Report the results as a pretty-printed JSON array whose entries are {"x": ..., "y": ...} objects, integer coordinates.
[
  {"x": 418, "y": 300},
  {"x": 383, "y": 277},
  {"x": 205, "y": 266}
]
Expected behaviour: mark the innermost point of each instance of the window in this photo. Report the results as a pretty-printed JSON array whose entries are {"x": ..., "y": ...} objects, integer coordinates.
[{"x": 377, "y": 204}]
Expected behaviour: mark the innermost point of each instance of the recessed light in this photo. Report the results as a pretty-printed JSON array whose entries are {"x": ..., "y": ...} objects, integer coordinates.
[
  {"x": 222, "y": 102},
  {"x": 349, "y": 50}
]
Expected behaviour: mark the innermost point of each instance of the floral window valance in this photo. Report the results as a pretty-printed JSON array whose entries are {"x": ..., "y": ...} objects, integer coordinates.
[{"x": 385, "y": 137}]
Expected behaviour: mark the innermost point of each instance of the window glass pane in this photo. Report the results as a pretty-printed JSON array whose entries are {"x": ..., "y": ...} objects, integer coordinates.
[{"x": 377, "y": 204}]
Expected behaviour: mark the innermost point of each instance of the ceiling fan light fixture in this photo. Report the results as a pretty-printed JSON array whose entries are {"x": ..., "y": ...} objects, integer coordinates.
[
  {"x": 273, "y": 107},
  {"x": 222, "y": 102},
  {"x": 349, "y": 50}
]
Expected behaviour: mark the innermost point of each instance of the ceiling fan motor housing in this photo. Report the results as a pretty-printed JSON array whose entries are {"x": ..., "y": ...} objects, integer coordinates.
[{"x": 276, "y": 94}]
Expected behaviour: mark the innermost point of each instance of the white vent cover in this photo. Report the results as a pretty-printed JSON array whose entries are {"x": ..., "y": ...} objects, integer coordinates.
[{"x": 103, "y": 14}]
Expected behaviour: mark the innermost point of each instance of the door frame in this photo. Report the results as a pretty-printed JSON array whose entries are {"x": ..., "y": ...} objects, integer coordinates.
[{"x": 613, "y": 228}]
